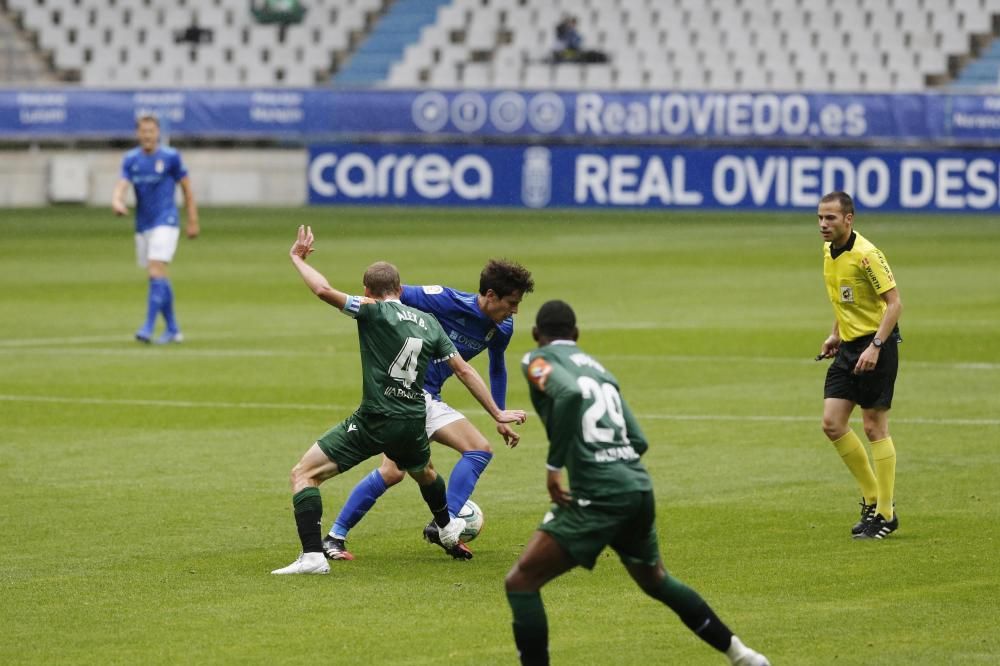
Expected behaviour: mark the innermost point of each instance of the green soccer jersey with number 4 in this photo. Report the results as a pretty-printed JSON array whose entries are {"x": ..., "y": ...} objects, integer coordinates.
[
  {"x": 397, "y": 344},
  {"x": 592, "y": 432}
]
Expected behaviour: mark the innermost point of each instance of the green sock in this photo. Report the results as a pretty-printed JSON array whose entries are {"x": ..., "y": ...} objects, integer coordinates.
[
  {"x": 308, "y": 505},
  {"x": 694, "y": 612},
  {"x": 531, "y": 628},
  {"x": 436, "y": 496}
]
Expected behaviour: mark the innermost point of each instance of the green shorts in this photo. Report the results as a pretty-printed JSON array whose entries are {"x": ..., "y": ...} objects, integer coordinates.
[
  {"x": 626, "y": 522},
  {"x": 361, "y": 436}
]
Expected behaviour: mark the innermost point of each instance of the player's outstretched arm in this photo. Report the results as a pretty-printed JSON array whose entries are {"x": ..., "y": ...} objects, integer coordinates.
[
  {"x": 118, "y": 197},
  {"x": 477, "y": 387},
  {"x": 318, "y": 284}
]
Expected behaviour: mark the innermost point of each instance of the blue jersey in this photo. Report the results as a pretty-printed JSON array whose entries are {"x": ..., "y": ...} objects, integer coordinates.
[
  {"x": 470, "y": 330},
  {"x": 154, "y": 177}
]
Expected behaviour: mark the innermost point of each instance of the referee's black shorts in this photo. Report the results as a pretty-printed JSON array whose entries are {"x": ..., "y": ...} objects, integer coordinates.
[{"x": 869, "y": 389}]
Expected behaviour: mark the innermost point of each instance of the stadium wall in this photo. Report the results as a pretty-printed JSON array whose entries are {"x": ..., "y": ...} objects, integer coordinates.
[
  {"x": 221, "y": 177},
  {"x": 755, "y": 150}
]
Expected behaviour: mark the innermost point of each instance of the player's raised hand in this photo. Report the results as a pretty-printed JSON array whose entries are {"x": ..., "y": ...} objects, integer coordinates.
[
  {"x": 302, "y": 247},
  {"x": 510, "y": 438}
]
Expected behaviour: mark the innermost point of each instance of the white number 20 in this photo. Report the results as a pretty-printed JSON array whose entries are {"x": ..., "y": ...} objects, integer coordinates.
[
  {"x": 608, "y": 402},
  {"x": 404, "y": 367}
]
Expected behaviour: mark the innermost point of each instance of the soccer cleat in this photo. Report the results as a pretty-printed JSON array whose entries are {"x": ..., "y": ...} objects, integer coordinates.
[
  {"x": 879, "y": 528},
  {"x": 143, "y": 337},
  {"x": 450, "y": 533},
  {"x": 169, "y": 337},
  {"x": 305, "y": 563},
  {"x": 867, "y": 511},
  {"x": 336, "y": 549},
  {"x": 459, "y": 551}
]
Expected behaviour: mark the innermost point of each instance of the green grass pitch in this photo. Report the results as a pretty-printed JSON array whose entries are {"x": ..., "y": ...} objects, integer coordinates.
[{"x": 144, "y": 489}]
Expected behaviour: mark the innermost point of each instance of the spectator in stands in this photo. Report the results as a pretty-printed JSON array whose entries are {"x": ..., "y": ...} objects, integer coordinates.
[
  {"x": 193, "y": 35},
  {"x": 570, "y": 45},
  {"x": 153, "y": 171},
  {"x": 282, "y": 12}
]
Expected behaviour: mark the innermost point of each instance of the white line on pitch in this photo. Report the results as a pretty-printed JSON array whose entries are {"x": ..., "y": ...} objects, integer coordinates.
[
  {"x": 306, "y": 407},
  {"x": 170, "y": 403},
  {"x": 18, "y": 347}
]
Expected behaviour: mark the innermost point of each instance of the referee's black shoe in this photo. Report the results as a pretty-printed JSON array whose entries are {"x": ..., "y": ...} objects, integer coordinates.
[
  {"x": 459, "y": 551},
  {"x": 867, "y": 513},
  {"x": 878, "y": 527}
]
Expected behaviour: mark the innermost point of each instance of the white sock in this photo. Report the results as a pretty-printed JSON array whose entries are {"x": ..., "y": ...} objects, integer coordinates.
[{"x": 736, "y": 649}]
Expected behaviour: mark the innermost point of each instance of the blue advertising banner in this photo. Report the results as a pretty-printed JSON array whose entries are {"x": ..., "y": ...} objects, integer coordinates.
[
  {"x": 657, "y": 117},
  {"x": 648, "y": 177}
]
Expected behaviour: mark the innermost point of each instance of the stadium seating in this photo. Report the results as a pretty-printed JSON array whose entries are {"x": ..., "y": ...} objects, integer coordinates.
[
  {"x": 856, "y": 45},
  {"x": 109, "y": 43},
  {"x": 852, "y": 45},
  {"x": 984, "y": 72}
]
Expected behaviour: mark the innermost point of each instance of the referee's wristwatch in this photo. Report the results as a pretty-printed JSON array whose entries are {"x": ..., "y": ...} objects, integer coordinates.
[{"x": 877, "y": 342}]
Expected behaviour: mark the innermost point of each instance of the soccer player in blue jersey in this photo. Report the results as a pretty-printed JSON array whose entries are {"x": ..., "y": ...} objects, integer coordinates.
[
  {"x": 154, "y": 171},
  {"x": 474, "y": 322}
]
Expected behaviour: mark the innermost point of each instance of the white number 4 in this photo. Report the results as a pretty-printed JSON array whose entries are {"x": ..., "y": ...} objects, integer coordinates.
[{"x": 404, "y": 367}]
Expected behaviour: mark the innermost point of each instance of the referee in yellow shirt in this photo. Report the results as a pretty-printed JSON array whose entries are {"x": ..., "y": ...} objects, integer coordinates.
[{"x": 863, "y": 344}]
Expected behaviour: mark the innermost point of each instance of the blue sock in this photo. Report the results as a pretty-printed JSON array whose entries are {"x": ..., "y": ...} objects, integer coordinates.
[
  {"x": 362, "y": 498},
  {"x": 168, "y": 306},
  {"x": 154, "y": 303},
  {"x": 463, "y": 478}
]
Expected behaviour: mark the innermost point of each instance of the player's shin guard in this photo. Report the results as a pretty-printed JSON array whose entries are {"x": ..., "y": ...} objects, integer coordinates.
[
  {"x": 154, "y": 304},
  {"x": 361, "y": 500},
  {"x": 463, "y": 478},
  {"x": 852, "y": 452},
  {"x": 435, "y": 494},
  {"x": 884, "y": 455},
  {"x": 308, "y": 506},
  {"x": 693, "y": 612},
  {"x": 531, "y": 627},
  {"x": 167, "y": 307}
]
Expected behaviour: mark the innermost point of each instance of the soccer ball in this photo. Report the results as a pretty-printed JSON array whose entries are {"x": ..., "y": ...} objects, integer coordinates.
[{"x": 473, "y": 516}]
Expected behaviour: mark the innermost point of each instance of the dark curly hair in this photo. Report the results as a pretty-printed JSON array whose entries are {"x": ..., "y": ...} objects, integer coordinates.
[{"x": 505, "y": 277}]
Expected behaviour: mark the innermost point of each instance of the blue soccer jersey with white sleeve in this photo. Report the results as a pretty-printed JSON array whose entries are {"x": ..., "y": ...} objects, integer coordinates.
[
  {"x": 154, "y": 177},
  {"x": 472, "y": 331}
]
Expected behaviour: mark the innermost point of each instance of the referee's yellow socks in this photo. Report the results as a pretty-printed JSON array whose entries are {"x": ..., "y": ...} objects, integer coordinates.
[
  {"x": 852, "y": 452},
  {"x": 884, "y": 455}
]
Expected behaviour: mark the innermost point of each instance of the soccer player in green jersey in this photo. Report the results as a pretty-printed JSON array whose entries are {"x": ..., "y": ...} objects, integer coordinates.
[
  {"x": 397, "y": 345},
  {"x": 863, "y": 344},
  {"x": 594, "y": 436}
]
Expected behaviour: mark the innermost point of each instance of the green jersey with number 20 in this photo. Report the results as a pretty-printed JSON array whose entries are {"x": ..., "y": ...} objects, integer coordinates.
[
  {"x": 397, "y": 344},
  {"x": 591, "y": 431}
]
